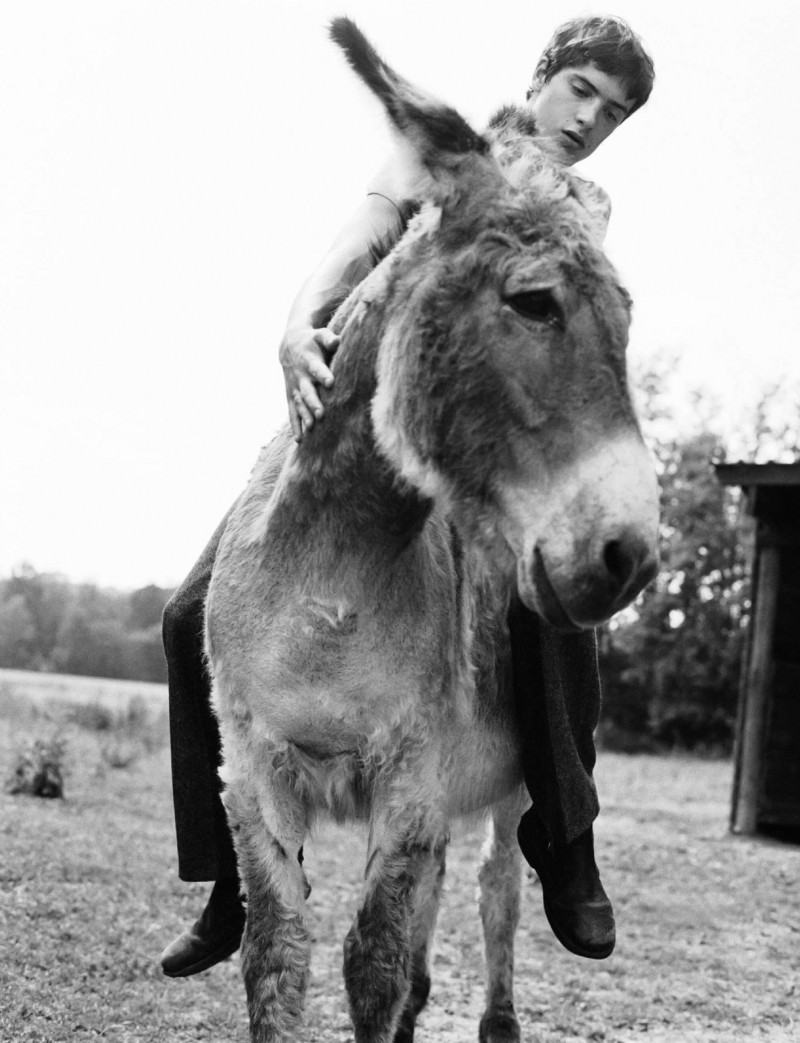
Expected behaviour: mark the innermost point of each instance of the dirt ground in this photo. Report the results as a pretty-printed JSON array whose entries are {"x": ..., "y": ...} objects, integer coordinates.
[{"x": 708, "y": 923}]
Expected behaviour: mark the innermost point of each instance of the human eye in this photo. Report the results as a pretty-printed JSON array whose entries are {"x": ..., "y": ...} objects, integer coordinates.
[
  {"x": 612, "y": 116},
  {"x": 579, "y": 89}
]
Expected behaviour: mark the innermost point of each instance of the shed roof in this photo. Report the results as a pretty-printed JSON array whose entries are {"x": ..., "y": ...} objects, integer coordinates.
[
  {"x": 772, "y": 494},
  {"x": 749, "y": 475}
]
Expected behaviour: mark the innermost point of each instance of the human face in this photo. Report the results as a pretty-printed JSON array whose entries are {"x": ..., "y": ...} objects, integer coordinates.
[{"x": 577, "y": 109}]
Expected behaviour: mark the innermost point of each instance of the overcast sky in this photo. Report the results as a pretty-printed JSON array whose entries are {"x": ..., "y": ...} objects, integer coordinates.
[{"x": 170, "y": 170}]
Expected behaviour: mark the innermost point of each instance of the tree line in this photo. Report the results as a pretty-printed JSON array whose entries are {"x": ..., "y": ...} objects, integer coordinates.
[{"x": 50, "y": 624}]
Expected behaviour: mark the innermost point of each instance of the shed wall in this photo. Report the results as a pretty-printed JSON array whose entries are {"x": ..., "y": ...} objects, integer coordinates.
[{"x": 779, "y": 802}]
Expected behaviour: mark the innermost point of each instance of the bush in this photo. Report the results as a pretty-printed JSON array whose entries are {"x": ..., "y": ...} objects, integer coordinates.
[
  {"x": 695, "y": 728},
  {"x": 92, "y": 717},
  {"x": 98, "y": 717},
  {"x": 39, "y": 770},
  {"x": 133, "y": 733},
  {"x": 121, "y": 751},
  {"x": 617, "y": 739},
  {"x": 136, "y": 716}
]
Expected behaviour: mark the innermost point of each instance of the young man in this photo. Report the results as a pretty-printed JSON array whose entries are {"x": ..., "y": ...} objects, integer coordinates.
[{"x": 591, "y": 77}]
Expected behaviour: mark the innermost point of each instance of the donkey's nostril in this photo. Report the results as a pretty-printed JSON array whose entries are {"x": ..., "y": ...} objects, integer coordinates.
[
  {"x": 630, "y": 563},
  {"x": 618, "y": 561}
]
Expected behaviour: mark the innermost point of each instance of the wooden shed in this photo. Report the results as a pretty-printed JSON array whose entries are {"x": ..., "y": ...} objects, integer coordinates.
[{"x": 766, "y": 787}]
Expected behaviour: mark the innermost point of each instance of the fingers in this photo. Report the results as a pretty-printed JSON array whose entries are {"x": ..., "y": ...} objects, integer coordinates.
[
  {"x": 327, "y": 340},
  {"x": 305, "y": 411},
  {"x": 310, "y": 401},
  {"x": 305, "y": 372},
  {"x": 320, "y": 373},
  {"x": 304, "y": 407},
  {"x": 294, "y": 420}
]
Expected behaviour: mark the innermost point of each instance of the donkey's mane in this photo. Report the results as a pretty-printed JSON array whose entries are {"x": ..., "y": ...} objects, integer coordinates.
[
  {"x": 514, "y": 119},
  {"x": 382, "y": 246}
]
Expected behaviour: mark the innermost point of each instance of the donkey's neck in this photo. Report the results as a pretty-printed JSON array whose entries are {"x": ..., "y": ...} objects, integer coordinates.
[{"x": 341, "y": 487}]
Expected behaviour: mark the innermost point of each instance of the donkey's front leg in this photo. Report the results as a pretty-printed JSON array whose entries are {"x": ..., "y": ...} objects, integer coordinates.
[
  {"x": 426, "y": 896},
  {"x": 378, "y": 950},
  {"x": 268, "y": 833},
  {"x": 500, "y": 877}
]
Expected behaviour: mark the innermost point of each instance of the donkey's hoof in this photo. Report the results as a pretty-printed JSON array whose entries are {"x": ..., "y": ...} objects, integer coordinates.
[{"x": 499, "y": 1026}]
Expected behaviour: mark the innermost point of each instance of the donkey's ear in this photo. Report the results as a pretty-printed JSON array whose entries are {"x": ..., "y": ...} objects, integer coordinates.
[{"x": 437, "y": 132}]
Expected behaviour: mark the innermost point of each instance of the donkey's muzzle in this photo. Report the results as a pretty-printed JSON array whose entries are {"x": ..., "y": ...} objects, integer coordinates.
[{"x": 609, "y": 576}]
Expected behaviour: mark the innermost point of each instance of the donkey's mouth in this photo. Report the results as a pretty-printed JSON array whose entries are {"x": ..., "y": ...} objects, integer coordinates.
[{"x": 537, "y": 592}]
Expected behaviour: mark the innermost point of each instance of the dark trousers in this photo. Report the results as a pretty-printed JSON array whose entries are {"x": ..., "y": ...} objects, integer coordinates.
[
  {"x": 205, "y": 848},
  {"x": 557, "y": 695}
]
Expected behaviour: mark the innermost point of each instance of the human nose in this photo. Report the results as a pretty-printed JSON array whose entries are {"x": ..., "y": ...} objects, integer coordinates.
[{"x": 587, "y": 113}]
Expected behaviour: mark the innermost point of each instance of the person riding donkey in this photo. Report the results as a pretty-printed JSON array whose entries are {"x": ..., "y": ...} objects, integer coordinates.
[{"x": 591, "y": 77}]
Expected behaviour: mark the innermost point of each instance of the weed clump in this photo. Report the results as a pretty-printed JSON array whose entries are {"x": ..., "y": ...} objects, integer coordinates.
[
  {"x": 133, "y": 734},
  {"x": 92, "y": 717},
  {"x": 39, "y": 770},
  {"x": 121, "y": 751}
]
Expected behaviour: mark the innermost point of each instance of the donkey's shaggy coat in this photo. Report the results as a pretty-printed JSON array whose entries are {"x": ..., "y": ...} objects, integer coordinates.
[{"x": 478, "y": 445}]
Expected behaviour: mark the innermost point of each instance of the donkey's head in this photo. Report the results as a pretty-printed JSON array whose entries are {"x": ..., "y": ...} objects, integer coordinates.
[{"x": 501, "y": 365}]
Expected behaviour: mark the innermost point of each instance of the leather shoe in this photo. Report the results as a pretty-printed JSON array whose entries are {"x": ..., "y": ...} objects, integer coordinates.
[
  {"x": 214, "y": 937},
  {"x": 575, "y": 902}
]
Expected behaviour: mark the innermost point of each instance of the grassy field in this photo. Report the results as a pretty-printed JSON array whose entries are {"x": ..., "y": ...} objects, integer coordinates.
[
  {"x": 48, "y": 690},
  {"x": 708, "y": 923}
]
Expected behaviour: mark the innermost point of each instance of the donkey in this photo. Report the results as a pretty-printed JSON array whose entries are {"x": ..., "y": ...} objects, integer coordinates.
[{"x": 479, "y": 445}]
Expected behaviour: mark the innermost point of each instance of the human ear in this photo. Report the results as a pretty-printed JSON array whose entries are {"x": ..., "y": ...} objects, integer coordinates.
[{"x": 539, "y": 78}]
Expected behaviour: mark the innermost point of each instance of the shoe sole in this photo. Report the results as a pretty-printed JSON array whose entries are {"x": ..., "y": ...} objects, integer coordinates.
[
  {"x": 599, "y": 953},
  {"x": 223, "y": 953},
  {"x": 529, "y": 845}
]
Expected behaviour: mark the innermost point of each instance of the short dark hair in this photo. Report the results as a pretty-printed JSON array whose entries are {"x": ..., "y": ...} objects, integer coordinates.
[{"x": 607, "y": 42}]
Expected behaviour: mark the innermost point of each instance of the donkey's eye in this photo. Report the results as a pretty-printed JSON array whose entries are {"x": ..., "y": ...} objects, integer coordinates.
[{"x": 539, "y": 305}]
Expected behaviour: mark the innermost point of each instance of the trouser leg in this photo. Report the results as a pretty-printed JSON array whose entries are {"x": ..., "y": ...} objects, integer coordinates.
[
  {"x": 557, "y": 694},
  {"x": 205, "y": 849}
]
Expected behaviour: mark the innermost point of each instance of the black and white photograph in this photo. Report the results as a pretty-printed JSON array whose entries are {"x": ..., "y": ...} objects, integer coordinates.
[{"x": 399, "y": 522}]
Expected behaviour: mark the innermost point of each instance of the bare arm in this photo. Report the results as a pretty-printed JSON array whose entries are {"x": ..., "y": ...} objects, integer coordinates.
[{"x": 307, "y": 344}]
